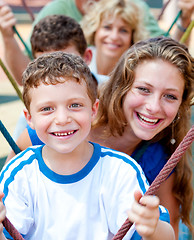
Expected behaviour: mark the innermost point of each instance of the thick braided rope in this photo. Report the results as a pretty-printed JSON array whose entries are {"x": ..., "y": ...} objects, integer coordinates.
[
  {"x": 12, "y": 230},
  {"x": 164, "y": 173}
]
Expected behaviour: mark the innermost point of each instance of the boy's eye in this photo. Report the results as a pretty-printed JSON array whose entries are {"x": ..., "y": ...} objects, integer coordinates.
[
  {"x": 170, "y": 97},
  {"x": 143, "y": 89},
  {"x": 75, "y": 105},
  {"x": 46, "y": 109}
]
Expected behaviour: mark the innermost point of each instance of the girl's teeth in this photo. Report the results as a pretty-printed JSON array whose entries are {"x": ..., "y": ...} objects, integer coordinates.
[{"x": 148, "y": 120}]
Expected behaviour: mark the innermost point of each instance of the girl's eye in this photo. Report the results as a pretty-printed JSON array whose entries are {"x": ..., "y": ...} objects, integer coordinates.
[
  {"x": 170, "y": 97},
  {"x": 143, "y": 89}
]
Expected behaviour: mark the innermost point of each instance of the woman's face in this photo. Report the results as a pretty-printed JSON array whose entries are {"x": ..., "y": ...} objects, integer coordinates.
[
  {"x": 113, "y": 37},
  {"x": 154, "y": 98}
]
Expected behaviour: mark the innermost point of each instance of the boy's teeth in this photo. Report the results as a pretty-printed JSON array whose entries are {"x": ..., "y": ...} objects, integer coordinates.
[
  {"x": 63, "y": 134},
  {"x": 148, "y": 120}
]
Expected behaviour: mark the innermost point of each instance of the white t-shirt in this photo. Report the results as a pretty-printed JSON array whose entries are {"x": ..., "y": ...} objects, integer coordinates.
[{"x": 88, "y": 205}]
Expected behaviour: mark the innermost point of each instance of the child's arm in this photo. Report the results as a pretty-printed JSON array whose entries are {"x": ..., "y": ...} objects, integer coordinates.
[
  {"x": 14, "y": 57},
  {"x": 2, "y": 216},
  {"x": 145, "y": 215}
]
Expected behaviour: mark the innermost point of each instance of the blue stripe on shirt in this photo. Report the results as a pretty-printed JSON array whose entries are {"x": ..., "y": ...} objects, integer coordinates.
[{"x": 127, "y": 160}]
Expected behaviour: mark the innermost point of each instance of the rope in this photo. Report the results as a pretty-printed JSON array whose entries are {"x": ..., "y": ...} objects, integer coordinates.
[
  {"x": 175, "y": 20},
  {"x": 164, "y": 173},
  {"x": 187, "y": 32},
  {"x": 12, "y": 230},
  {"x": 13, "y": 82},
  {"x": 9, "y": 138},
  {"x": 26, "y": 47}
]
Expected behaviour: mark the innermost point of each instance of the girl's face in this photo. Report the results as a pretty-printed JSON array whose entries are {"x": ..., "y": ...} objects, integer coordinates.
[
  {"x": 154, "y": 98},
  {"x": 113, "y": 37}
]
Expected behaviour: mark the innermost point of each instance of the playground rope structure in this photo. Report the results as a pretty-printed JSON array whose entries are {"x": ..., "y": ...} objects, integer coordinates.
[{"x": 164, "y": 173}]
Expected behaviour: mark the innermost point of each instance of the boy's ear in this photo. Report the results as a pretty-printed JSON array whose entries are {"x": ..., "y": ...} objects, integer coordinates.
[
  {"x": 87, "y": 57},
  {"x": 28, "y": 118},
  {"x": 95, "y": 109}
]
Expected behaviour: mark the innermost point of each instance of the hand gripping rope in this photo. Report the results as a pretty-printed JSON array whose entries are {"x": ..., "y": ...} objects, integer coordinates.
[{"x": 164, "y": 173}]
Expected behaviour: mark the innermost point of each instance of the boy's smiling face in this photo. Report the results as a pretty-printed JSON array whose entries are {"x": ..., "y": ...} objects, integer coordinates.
[{"x": 62, "y": 114}]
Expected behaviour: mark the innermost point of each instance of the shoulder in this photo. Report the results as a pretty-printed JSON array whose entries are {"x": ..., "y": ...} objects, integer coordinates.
[
  {"x": 156, "y": 147},
  {"x": 117, "y": 169},
  {"x": 115, "y": 161},
  {"x": 147, "y": 150},
  {"x": 114, "y": 155},
  {"x": 20, "y": 161},
  {"x": 156, "y": 152},
  {"x": 153, "y": 160},
  {"x": 21, "y": 171}
]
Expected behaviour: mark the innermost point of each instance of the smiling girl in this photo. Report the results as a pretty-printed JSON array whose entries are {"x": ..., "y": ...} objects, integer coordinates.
[{"x": 144, "y": 111}]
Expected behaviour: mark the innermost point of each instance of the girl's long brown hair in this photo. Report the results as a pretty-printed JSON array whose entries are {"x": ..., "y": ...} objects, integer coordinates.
[{"x": 111, "y": 111}]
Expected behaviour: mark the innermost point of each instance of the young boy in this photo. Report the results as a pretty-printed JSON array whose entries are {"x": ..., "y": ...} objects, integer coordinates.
[
  {"x": 59, "y": 33},
  {"x": 70, "y": 188},
  {"x": 53, "y": 33}
]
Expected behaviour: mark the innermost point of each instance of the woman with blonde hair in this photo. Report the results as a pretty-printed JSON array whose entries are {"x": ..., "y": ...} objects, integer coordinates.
[
  {"x": 111, "y": 27},
  {"x": 144, "y": 111}
]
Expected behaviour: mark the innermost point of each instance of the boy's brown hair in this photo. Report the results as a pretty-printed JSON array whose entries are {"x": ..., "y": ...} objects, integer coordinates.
[
  {"x": 54, "y": 68},
  {"x": 56, "y": 32}
]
